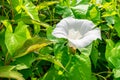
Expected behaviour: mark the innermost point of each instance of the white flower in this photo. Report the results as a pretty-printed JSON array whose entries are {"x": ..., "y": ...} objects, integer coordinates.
[{"x": 79, "y": 32}]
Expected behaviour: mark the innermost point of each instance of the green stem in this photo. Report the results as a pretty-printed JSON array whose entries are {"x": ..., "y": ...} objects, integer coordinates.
[
  {"x": 100, "y": 76},
  {"x": 50, "y": 13},
  {"x": 12, "y": 12},
  {"x": 2, "y": 7},
  {"x": 105, "y": 72},
  {"x": 67, "y": 64},
  {"x": 8, "y": 59}
]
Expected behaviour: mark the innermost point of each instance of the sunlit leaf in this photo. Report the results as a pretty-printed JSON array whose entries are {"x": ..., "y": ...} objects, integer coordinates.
[
  {"x": 16, "y": 39},
  {"x": 32, "y": 45},
  {"x": 11, "y": 74},
  {"x": 31, "y": 10},
  {"x": 46, "y": 4},
  {"x": 6, "y": 68},
  {"x": 109, "y": 14},
  {"x": 8, "y": 72},
  {"x": 7, "y": 25},
  {"x": 116, "y": 73}
]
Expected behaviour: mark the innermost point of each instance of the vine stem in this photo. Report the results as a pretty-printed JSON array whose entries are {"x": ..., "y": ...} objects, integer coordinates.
[
  {"x": 6, "y": 58},
  {"x": 105, "y": 72},
  {"x": 12, "y": 12},
  {"x": 105, "y": 78},
  {"x": 2, "y": 7},
  {"x": 100, "y": 76}
]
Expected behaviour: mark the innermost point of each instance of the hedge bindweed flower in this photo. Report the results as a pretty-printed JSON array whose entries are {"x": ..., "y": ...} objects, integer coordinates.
[{"x": 79, "y": 32}]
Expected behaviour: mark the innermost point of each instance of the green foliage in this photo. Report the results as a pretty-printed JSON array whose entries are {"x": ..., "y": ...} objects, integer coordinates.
[
  {"x": 15, "y": 39},
  {"x": 7, "y": 72},
  {"x": 28, "y": 50}
]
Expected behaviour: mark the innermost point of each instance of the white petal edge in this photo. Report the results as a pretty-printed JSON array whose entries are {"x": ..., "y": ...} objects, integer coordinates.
[
  {"x": 59, "y": 33},
  {"x": 84, "y": 25},
  {"x": 66, "y": 22},
  {"x": 61, "y": 30},
  {"x": 87, "y": 39}
]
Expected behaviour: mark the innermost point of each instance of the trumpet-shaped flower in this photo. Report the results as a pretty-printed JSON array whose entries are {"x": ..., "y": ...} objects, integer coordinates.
[{"x": 79, "y": 32}]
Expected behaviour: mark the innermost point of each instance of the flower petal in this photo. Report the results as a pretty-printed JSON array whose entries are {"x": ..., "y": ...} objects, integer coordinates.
[
  {"x": 86, "y": 40},
  {"x": 62, "y": 28},
  {"x": 59, "y": 32},
  {"x": 84, "y": 25},
  {"x": 66, "y": 24},
  {"x": 79, "y": 32}
]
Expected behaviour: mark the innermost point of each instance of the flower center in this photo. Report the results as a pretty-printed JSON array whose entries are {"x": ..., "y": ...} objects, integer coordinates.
[{"x": 74, "y": 34}]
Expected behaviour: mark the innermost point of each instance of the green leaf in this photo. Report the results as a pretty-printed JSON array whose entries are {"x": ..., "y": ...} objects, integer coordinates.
[
  {"x": 51, "y": 59},
  {"x": 16, "y": 4},
  {"x": 27, "y": 20},
  {"x": 46, "y": 50},
  {"x": 79, "y": 68},
  {"x": 31, "y": 10},
  {"x": 64, "y": 11},
  {"x": 117, "y": 25},
  {"x": 11, "y": 74},
  {"x": 2, "y": 41},
  {"x": 8, "y": 72},
  {"x": 49, "y": 33},
  {"x": 110, "y": 20},
  {"x": 86, "y": 51},
  {"x": 61, "y": 52},
  {"x": 36, "y": 29},
  {"x": 94, "y": 77},
  {"x": 116, "y": 72},
  {"x": 80, "y": 11},
  {"x": 115, "y": 56},
  {"x": 112, "y": 53},
  {"x": 109, "y": 47},
  {"x": 51, "y": 75},
  {"x": 24, "y": 62},
  {"x": 7, "y": 25},
  {"x": 26, "y": 73},
  {"x": 83, "y": 1},
  {"x": 46, "y": 4},
  {"x": 14, "y": 40},
  {"x": 94, "y": 55},
  {"x": 31, "y": 45},
  {"x": 6, "y": 68},
  {"x": 94, "y": 13}
]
